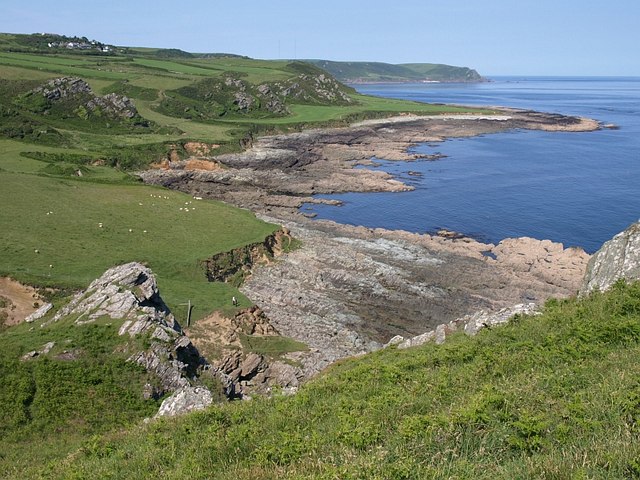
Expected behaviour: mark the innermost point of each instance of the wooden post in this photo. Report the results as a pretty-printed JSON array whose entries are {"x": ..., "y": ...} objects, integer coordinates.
[{"x": 189, "y": 314}]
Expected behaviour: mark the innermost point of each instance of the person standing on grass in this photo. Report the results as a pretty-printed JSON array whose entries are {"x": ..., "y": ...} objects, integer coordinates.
[{"x": 234, "y": 301}]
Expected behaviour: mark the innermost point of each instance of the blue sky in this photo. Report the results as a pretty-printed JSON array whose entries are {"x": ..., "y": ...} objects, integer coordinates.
[{"x": 496, "y": 37}]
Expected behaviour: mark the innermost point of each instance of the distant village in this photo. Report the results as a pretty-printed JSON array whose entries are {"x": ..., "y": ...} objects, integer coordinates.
[
  {"x": 53, "y": 40},
  {"x": 93, "y": 45}
]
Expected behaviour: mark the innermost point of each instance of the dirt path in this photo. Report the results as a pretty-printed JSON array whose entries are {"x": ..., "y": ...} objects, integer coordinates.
[{"x": 20, "y": 298}]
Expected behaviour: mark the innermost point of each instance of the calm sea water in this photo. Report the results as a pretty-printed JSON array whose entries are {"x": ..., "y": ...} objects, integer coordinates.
[{"x": 575, "y": 188}]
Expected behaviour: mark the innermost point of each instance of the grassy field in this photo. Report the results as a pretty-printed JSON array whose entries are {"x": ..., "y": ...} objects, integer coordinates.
[
  {"x": 170, "y": 232},
  {"x": 553, "y": 396}
]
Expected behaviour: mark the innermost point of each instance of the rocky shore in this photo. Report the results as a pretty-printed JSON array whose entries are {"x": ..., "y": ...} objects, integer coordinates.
[
  {"x": 277, "y": 174},
  {"x": 348, "y": 290}
]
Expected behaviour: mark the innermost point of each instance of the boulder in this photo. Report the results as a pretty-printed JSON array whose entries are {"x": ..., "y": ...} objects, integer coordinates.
[
  {"x": 619, "y": 258},
  {"x": 185, "y": 400},
  {"x": 41, "y": 312}
]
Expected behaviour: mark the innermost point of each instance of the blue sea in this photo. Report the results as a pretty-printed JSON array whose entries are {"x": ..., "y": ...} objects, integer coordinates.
[{"x": 576, "y": 188}]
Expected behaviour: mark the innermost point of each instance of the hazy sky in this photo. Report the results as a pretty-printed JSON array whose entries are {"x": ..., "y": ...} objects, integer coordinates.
[{"x": 528, "y": 37}]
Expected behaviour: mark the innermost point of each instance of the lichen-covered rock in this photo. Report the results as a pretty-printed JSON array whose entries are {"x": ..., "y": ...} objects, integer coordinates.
[
  {"x": 619, "y": 258},
  {"x": 127, "y": 291},
  {"x": 41, "y": 312},
  {"x": 63, "y": 87},
  {"x": 73, "y": 88},
  {"x": 185, "y": 400},
  {"x": 113, "y": 105}
]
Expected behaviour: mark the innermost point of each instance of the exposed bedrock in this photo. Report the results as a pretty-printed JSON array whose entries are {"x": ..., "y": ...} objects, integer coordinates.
[{"x": 348, "y": 290}]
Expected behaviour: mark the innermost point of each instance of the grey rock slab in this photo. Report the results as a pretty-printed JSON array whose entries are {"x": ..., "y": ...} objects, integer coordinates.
[
  {"x": 619, "y": 258},
  {"x": 185, "y": 400}
]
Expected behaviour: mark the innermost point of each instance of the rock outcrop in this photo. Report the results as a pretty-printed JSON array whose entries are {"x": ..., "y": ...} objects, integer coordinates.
[
  {"x": 233, "y": 265},
  {"x": 185, "y": 400},
  {"x": 127, "y": 291},
  {"x": 228, "y": 344},
  {"x": 469, "y": 324},
  {"x": 78, "y": 94},
  {"x": 619, "y": 258},
  {"x": 130, "y": 293}
]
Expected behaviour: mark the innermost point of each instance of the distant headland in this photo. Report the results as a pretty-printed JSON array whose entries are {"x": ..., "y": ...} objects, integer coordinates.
[{"x": 378, "y": 72}]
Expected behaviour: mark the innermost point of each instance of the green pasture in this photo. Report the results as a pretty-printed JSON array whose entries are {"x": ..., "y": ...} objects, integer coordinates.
[
  {"x": 59, "y": 66},
  {"x": 51, "y": 235}
]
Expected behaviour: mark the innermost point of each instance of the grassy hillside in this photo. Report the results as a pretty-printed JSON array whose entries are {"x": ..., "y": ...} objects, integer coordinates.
[
  {"x": 82, "y": 226},
  {"x": 552, "y": 396},
  {"x": 371, "y": 72},
  {"x": 53, "y": 404}
]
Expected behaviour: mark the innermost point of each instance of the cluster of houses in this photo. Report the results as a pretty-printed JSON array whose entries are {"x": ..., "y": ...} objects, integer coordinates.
[{"x": 93, "y": 45}]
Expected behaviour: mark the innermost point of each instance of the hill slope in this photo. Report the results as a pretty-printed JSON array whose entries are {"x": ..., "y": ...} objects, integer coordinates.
[
  {"x": 553, "y": 396},
  {"x": 373, "y": 72}
]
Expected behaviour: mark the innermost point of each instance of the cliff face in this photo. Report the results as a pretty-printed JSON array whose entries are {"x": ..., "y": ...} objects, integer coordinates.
[
  {"x": 233, "y": 266},
  {"x": 619, "y": 258}
]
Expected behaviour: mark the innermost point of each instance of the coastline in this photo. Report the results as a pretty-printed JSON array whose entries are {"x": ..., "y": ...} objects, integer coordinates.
[
  {"x": 278, "y": 174},
  {"x": 347, "y": 290}
]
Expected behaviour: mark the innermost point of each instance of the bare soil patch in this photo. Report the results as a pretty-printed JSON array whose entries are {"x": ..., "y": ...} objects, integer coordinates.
[{"x": 20, "y": 301}]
